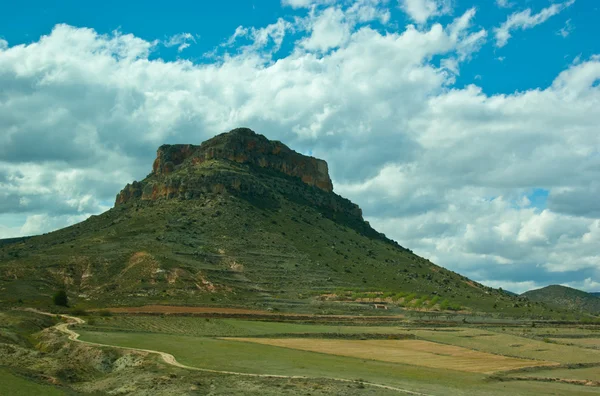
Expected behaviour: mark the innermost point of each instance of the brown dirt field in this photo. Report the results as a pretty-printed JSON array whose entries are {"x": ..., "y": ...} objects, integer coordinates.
[{"x": 414, "y": 352}]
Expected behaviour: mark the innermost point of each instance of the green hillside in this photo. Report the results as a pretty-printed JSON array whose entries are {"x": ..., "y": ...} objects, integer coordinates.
[
  {"x": 259, "y": 227},
  {"x": 566, "y": 298}
]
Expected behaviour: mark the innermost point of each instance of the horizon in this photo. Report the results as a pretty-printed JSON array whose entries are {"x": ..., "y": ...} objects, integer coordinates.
[{"x": 466, "y": 131}]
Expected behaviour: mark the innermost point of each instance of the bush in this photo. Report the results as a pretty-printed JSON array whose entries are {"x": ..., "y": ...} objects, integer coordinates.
[
  {"x": 409, "y": 298},
  {"x": 398, "y": 296},
  {"x": 61, "y": 299},
  {"x": 433, "y": 301}
]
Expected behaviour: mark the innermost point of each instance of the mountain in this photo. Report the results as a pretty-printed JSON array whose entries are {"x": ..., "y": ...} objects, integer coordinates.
[
  {"x": 565, "y": 297},
  {"x": 238, "y": 220},
  {"x": 597, "y": 294}
]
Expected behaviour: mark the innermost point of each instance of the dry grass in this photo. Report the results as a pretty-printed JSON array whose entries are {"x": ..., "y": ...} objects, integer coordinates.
[{"x": 415, "y": 352}]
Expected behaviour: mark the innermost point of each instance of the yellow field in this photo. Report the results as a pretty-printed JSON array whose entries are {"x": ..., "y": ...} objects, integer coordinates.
[{"x": 415, "y": 352}]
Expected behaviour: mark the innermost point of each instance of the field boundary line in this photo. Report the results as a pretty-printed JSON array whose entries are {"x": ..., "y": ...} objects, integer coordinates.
[{"x": 170, "y": 359}]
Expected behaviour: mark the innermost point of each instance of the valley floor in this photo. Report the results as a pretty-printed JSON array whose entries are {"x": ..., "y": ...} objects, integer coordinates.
[{"x": 293, "y": 356}]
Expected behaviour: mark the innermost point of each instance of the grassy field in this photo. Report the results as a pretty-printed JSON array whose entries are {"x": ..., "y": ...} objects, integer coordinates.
[
  {"x": 588, "y": 373},
  {"x": 225, "y": 327},
  {"x": 583, "y": 342},
  {"x": 200, "y": 349},
  {"x": 13, "y": 385},
  {"x": 490, "y": 340}
]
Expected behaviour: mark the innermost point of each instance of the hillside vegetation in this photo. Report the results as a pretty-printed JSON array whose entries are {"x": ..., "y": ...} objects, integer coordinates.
[
  {"x": 566, "y": 298},
  {"x": 230, "y": 222}
]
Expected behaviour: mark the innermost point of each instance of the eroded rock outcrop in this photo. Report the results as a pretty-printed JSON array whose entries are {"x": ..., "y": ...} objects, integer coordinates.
[
  {"x": 242, "y": 145},
  {"x": 183, "y": 171}
]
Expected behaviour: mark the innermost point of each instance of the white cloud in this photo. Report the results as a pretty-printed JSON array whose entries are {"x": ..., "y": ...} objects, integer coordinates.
[
  {"x": 504, "y": 3},
  {"x": 328, "y": 30},
  {"x": 181, "y": 41},
  {"x": 41, "y": 223},
  {"x": 422, "y": 10},
  {"x": 305, "y": 3},
  {"x": 525, "y": 20},
  {"x": 261, "y": 38},
  {"x": 566, "y": 30}
]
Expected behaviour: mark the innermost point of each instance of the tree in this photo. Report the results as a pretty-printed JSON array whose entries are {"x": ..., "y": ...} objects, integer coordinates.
[{"x": 60, "y": 298}]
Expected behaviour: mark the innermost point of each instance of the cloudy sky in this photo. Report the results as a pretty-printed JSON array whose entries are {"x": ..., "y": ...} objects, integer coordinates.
[{"x": 468, "y": 131}]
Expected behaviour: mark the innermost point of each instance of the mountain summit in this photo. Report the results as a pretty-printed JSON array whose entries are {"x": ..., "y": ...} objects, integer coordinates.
[
  {"x": 240, "y": 145},
  {"x": 236, "y": 220}
]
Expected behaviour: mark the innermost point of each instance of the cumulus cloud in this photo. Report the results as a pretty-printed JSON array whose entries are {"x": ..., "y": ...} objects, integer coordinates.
[
  {"x": 422, "y": 10},
  {"x": 328, "y": 30},
  {"x": 448, "y": 172},
  {"x": 525, "y": 20}
]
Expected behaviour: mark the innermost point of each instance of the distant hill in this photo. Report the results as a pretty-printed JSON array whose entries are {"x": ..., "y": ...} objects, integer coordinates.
[
  {"x": 237, "y": 220},
  {"x": 597, "y": 294},
  {"x": 565, "y": 297}
]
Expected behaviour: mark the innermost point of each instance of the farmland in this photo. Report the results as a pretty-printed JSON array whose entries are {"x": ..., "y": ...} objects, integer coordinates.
[
  {"x": 417, "y": 352},
  {"x": 430, "y": 360}
]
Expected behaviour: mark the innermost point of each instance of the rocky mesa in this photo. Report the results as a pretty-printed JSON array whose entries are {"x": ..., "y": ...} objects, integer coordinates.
[{"x": 242, "y": 146}]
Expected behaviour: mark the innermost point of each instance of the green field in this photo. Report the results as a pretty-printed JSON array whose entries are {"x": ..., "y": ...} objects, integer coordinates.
[
  {"x": 225, "y": 327},
  {"x": 511, "y": 345},
  {"x": 588, "y": 373},
  {"x": 13, "y": 385},
  {"x": 493, "y": 340}
]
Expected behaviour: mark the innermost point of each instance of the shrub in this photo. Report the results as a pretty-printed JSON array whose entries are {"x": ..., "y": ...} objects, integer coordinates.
[
  {"x": 433, "y": 301},
  {"x": 60, "y": 298},
  {"x": 409, "y": 298},
  {"x": 398, "y": 296}
]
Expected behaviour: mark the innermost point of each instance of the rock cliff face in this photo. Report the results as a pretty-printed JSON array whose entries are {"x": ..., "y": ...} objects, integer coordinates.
[
  {"x": 242, "y": 145},
  {"x": 186, "y": 171}
]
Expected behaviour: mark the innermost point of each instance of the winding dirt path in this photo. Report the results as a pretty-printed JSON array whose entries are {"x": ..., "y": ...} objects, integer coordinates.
[{"x": 170, "y": 359}]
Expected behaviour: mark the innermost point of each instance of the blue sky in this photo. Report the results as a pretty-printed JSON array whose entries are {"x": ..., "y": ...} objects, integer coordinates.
[
  {"x": 466, "y": 130},
  {"x": 532, "y": 60}
]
